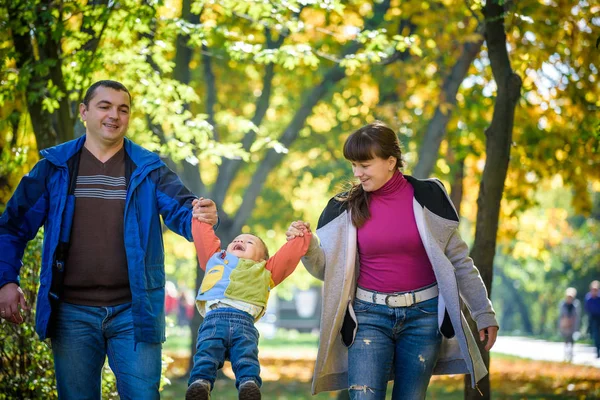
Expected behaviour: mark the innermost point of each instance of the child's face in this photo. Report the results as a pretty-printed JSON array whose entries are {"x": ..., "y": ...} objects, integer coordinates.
[{"x": 247, "y": 246}]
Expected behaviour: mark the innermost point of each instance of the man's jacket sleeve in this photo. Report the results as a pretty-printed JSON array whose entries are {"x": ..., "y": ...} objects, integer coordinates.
[
  {"x": 174, "y": 202},
  {"x": 25, "y": 213}
]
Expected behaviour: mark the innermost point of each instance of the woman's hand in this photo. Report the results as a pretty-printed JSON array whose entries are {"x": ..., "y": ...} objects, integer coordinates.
[
  {"x": 297, "y": 228},
  {"x": 492, "y": 333}
]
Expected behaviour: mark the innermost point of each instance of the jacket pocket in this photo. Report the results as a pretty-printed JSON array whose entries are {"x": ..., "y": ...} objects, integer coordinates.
[
  {"x": 447, "y": 329},
  {"x": 155, "y": 276},
  {"x": 349, "y": 326},
  {"x": 360, "y": 306}
]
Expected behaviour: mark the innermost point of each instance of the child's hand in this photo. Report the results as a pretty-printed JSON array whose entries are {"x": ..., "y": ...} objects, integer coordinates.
[{"x": 297, "y": 228}]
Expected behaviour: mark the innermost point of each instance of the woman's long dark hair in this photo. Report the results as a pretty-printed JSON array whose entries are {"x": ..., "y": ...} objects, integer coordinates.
[{"x": 372, "y": 140}]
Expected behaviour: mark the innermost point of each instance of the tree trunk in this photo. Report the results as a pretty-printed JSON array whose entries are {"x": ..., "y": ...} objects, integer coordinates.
[
  {"x": 498, "y": 142},
  {"x": 457, "y": 166},
  {"x": 184, "y": 54},
  {"x": 39, "y": 43},
  {"x": 41, "y": 121}
]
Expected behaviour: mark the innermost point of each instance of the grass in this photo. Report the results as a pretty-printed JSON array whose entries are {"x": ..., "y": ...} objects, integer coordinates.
[
  {"x": 441, "y": 388},
  {"x": 287, "y": 362},
  {"x": 292, "y": 391}
]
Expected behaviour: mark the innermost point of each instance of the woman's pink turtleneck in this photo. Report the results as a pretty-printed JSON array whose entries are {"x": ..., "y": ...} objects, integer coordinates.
[{"x": 392, "y": 256}]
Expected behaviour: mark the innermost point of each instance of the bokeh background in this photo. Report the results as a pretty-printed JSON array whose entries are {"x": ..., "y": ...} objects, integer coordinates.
[{"x": 250, "y": 103}]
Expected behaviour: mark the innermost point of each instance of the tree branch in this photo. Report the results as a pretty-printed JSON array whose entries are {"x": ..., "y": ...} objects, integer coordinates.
[
  {"x": 405, "y": 54},
  {"x": 436, "y": 128},
  {"x": 229, "y": 168},
  {"x": 94, "y": 42},
  {"x": 272, "y": 158},
  {"x": 211, "y": 91},
  {"x": 191, "y": 173}
]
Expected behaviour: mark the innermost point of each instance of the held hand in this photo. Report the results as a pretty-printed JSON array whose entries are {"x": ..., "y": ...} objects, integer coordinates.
[
  {"x": 492, "y": 333},
  {"x": 297, "y": 228},
  {"x": 205, "y": 210},
  {"x": 11, "y": 297}
]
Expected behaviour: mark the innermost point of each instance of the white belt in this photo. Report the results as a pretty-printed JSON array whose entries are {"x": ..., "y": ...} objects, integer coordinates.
[{"x": 406, "y": 299}]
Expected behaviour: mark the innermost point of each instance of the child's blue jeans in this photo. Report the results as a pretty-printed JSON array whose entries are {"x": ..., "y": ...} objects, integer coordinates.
[{"x": 227, "y": 333}]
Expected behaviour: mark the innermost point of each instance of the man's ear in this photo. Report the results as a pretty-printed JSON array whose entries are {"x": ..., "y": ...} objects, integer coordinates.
[{"x": 83, "y": 111}]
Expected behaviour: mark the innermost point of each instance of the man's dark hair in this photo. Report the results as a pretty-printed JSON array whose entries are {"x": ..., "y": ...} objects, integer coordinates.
[{"x": 89, "y": 94}]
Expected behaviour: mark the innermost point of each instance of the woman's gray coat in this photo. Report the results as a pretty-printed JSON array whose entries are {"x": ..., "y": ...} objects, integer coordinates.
[{"x": 335, "y": 261}]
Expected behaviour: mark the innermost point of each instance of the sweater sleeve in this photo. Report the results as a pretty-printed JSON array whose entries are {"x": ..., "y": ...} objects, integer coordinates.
[
  {"x": 205, "y": 241},
  {"x": 285, "y": 261},
  {"x": 471, "y": 286}
]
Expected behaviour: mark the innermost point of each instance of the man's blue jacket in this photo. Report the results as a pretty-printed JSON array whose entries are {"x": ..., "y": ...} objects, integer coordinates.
[{"x": 42, "y": 197}]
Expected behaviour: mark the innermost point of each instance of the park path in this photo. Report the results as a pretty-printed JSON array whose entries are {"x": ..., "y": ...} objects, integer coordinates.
[
  {"x": 535, "y": 349},
  {"x": 542, "y": 350}
]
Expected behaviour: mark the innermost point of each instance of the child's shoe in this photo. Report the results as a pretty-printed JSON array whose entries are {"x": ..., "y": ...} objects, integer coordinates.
[
  {"x": 199, "y": 390},
  {"x": 249, "y": 390}
]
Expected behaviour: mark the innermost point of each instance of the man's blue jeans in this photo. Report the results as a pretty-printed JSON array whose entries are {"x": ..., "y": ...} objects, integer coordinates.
[
  {"x": 405, "y": 340},
  {"x": 83, "y": 336},
  {"x": 595, "y": 332},
  {"x": 227, "y": 333}
]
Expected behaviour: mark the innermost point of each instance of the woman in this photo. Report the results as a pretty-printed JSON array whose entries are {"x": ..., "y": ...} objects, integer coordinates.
[
  {"x": 568, "y": 321},
  {"x": 394, "y": 268}
]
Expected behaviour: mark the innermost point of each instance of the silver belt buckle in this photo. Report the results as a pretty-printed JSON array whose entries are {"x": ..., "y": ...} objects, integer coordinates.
[
  {"x": 387, "y": 303},
  {"x": 408, "y": 299}
]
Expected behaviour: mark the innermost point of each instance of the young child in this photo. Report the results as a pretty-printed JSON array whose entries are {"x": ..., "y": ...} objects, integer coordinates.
[{"x": 233, "y": 296}]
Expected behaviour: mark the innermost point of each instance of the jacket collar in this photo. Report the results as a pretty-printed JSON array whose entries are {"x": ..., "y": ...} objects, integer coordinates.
[
  {"x": 60, "y": 154},
  {"x": 431, "y": 194}
]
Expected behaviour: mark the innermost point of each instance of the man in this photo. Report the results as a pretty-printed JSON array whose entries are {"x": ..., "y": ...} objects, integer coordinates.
[
  {"x": 100, "y": 198},
  {"x": 592, "y": 306}
]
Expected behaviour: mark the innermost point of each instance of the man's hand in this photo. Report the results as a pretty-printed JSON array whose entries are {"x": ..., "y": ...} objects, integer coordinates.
[
  {"x": 205, "y": 210},
  {"x": 11, "y": 297},
  {"x": 492, "y": 334},
  {"x": 297, "y": 228}
]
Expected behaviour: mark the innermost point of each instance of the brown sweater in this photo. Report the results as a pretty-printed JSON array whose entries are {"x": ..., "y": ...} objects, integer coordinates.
[{"x": 96, "y": 267}]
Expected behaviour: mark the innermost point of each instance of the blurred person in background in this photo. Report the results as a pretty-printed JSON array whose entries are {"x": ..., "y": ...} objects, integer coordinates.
[
  {"x": 569, "y": 318},
  {"x": 170, "y": 298},
  {"x": 592, "y": 307}
]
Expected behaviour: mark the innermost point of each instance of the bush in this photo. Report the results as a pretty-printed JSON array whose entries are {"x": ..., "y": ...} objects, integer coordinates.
[{"x": 25, "y": 361}]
